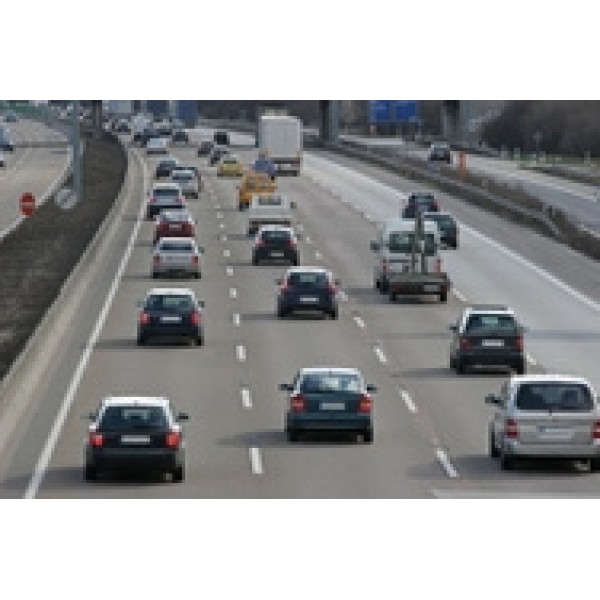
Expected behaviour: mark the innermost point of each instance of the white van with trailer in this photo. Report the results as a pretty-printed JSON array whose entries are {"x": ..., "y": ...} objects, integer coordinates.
[{"x": 408, "y": 259}]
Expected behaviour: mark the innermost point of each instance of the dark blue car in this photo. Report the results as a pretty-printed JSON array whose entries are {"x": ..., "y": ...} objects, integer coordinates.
[{"x": 307, "y": 289}]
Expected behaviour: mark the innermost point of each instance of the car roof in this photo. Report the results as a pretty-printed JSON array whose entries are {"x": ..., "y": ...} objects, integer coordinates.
[
  {"x": 135, "y": 400},
  {"x": 339, "y": 370},
  {"x": 171, "y": 292},
  {"x": 548, "y": 378}
]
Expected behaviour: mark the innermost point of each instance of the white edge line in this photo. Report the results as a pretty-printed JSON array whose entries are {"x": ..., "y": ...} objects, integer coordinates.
[
  {"x": 412, "y": 407},
  {"x": 446, "y": 464},
  {"x": 246, "y": 398},
  {"x": 44, "y": 459},
  {"x": 380, "y": 355},
  {"x": 229, "y": 271},
  {"x": 256, "y": 461},
  {"x": 226, "y": 253},
  {"x": 237, "y": 319}
]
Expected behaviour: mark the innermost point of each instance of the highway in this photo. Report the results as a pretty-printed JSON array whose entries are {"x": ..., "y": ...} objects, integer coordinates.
[
  {"x": 29, "y": 169},
  {"x": 430, "y": 424}
]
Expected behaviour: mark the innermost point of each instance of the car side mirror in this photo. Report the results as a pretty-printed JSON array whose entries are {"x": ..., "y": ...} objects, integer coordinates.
[
  {"x": 201, "y": 303},
  {"x": 371, "y": 388},
  {"x": 452, "y": 327},
  {"x": 492, "y": 399},
  {"x": 293, "y": 205},
  {"x": 375, "y": 246},
  {"x": 286, "y": 387},
  {"x": 182, "y": 416}
]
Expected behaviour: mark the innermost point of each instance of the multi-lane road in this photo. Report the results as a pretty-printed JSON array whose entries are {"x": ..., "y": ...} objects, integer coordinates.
[
  {"x": 430, "y": 424},
  {"x": 29, "y": 168}
]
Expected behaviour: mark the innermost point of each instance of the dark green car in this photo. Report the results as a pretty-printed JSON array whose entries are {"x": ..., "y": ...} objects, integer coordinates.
[{"x": 329, "y": 399}]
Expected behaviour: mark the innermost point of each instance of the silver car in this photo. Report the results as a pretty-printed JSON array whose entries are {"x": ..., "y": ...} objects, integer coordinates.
[
  {"x": 176, "y": 255},
  {"x": 186, "y": 178},
  {"x": 545, "y": 416}
]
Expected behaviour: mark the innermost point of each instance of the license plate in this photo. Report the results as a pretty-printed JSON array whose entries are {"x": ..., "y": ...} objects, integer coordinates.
[
  {"x": 277, "y": 254},
  {"x": 333, "y": 406},
  {"x": 308, "y": 299},
  {"x": 174, "y": 227},
  {"x": 492, "y": 343},
  {"x": 169, "y": 319},
  {"x": 555, "y": 433},
  {"x": 135, "y": 439},
  {"x": 431, "y": 288}
]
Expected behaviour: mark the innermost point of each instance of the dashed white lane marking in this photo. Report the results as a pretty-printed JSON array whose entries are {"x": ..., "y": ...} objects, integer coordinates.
[
  {"x": 246, "y": 398},
  {"x": 229, "y": 271},
  {"x": 226, "y": 253},
  {"x": 219, "y": 215},
  {"x": 240, "y": 352},
  {"x": 446, "y": 464},
  {"x": 300, "y": 227},
  {"x": 460, "y": 296},
  {"x": 343, "y": 296},
  {"x": 237, "y": 319},
  {"x": 232, "y": 293},
  {"x": 530, "y": 359},
  {"x": 408, "y": 401},
  {"x": 217, "y": 206},
  {"x": 224, "y": 237},
  {"x": 380, "y": 355},
  {"x": 308, "y": 240},
  {"x": 318, "y": 255},
  {"x": 256, "y": 461},
  {"x": 359, "y": 322},
  {"x": 222, "y": 225}
]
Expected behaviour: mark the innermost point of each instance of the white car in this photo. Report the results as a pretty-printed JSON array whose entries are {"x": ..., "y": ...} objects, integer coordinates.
[
  {"x": 2, "y": 160},
  {"x": 157, "y": 146}
]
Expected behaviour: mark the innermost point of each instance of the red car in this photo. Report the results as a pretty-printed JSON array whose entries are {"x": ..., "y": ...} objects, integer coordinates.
[{"x": 174, "y": 223}]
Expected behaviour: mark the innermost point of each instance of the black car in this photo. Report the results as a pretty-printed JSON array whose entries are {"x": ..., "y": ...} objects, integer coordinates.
[
  {"x": 419, "y": 201},
  {"x": 221, "y": 138},
  {"x": 171, "y": 313},
  {"x": 181, "y": 136},
  {"x": 217, "y": 153},
  {"x": 205, "y": 147},
  {"x": 273, "y": 242},
  {"x": 305, "y": 289},
  {"x": 146, "y": 135},
  {"x": 487, "y": 335},
  {"x": 447, "y": 227},
  {"x": 164, "y": 129},
  {"x": 165, "y": 166},
  {"x": 440, "y": 152},
  {"x": 122, "y": 127},
  {"x": 135, "y": 433}
]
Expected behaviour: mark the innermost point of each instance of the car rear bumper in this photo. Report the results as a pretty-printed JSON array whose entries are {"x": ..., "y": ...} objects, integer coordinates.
[
  {"x": 147, "y": 459},
  {"x": 419, "y": 287},
  {"x": 491, "y": 358},
  {"x": 168, "y": 330},
  {"x": 554, "y": 450},
  {"x": 328, "y": 422},
  {"x": 176, "y": 269},
  {"x": 275, "y": 254},
  {"x": 323, "y": 306}
]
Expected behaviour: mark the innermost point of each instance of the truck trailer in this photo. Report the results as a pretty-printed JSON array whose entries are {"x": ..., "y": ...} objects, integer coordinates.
[{"x": 280, "y": 139}]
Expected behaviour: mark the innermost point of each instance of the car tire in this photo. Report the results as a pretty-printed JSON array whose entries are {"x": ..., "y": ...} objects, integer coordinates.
[
  {"x": 154, "y": 275},
  {"x": 178, "y": 474},
  {"x": 452, "y": 363},
  {"x": 594, "y": 465},
  {"x": 520, "y": 368},
  {"x": 255, "y": 261},
  {"x": 293, "y": 435},
  {"x": 200, "y": 341},
  {"x": 334, "y": 314},
  {"x": 90, "y": 473},
  {"x": 444, "y": 296},
  {"x": 493, "y": 450},
  {"x": 141, "y": 341},
  {"x": 507, "y": 462},
  {"x": 240, "y": 207},
  {"x": 198, "y": 275},
  {"x": 461, "y": 367},
  {"x": 281, "y": 314},
  {"x": 393, "y": 296},
  {"x": 368, "y": 436},
  {"x": 295, "y": 262}
]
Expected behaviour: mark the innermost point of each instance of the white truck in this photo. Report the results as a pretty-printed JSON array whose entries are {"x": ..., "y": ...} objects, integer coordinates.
[
  {"x": 280, "y": 138},
  {"x": 269, "y": 209},
  {"x": 120, "y": 108},
  {"x": 139, "y": 123},
  {"x": 408, "y": 259}
]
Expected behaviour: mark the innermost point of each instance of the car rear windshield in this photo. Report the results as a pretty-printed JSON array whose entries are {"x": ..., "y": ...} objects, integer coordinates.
[
  {"x": 402, "y": 242},
  {"x": 564, "y": 397},
  {"x": 126, "y": 418},
  {"x": 319, "y": 280},
  {"x": 182, "y": 176},
  {"x": 483, "y": 322},
  {"x": 326, "y": 383},
  {"x": 170, "y": 302},
  {"x": 169, "y": 246},
  {"x": 421, "y": 199},
  {"x": 166, "y": 192},
  {"x": 275, "y": 235}
]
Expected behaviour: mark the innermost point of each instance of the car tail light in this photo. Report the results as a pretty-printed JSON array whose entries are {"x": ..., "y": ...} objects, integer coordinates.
[
  {"x": 511, "y": 429},
  {"x": 260, "y": 243},
  {"x": 437, "y": 266},
  {"x": 195, "y": 259},
  {"x": 596, "y": 430},
  {"x": 156, "y": 259},
  {"x": 96, "y": 440},
  {"x": 365, "y": 404},
  {"x": 180, "y": 200},
  {"x": 144, "y": 318},
  {"x": 152, "y": 199},
  {"x": 465, "y": 343},
  {"x": 298, "y": 403},
  {"x": 519, "y": 342},
  {"x": 284, "y": 287},
  {"x": 331, "y": 288},
  {"x": 291, "y": 243},
  {"x": 435, "y": 205},
  {"x": 187, "y": 229},
  {"x": 173, "y": 439},
  {"x": 385, "y": 265},
  {"x": 195, "y": 318}
]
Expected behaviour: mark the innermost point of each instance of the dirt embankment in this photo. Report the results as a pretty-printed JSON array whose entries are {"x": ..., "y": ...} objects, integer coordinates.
[{"x": 39, "y": 255}]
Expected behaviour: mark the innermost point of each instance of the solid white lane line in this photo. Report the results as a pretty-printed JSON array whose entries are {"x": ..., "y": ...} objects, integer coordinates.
[
  {"x": 308, "y": 240},
  {"x": 256, "y": 461},
  {"x": 237, "y": 319},
  {"x": 359, "y": 322},
  {"x": 446, "y": 464},
  {"x": 226, "y": 252},
  {"x": 246, "y": 398},
  {"x": 380, "y": 355},
  {"x": 229, "y": 271},
  {"x": 232, "y": 293},
  {"x": 530, "y": 359},
  {"x": 44, "y": 459},
  {"x": 412, "y": 407},
  {"x": 459, "y": 295},
  {"x": 240, "y": 352}
]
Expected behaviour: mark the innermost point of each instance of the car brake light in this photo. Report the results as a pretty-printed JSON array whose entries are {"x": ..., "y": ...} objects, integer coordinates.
[
  {"x": 292, "y": 243},
  {"x": 519, "y": 342},
  {"x": 156, "y": 259},
  {"x": 180, "y": 200},
  {"x": 511, "y": 429},
  {"x": 260, "y": 243},
  {"x": 152, "y": 199},
  {"x": 195, "y": 318},
  {"x": 365, "y": 404},
  {"x": 195, "y": 259},
  {"x": 437, "y": 267},
  {"x": 284, "y": 286},
  {"x": 173, "y": 439},
  {"x": 464, "y": 343},
  {"x": 144, "y": 318},
  {"x": 596, "y": 430},
  {"x": 96, "y": 440},
  {"x": 331, "y": 288},
  {"x": 385, "y": 265},
  {"x": 298, "y": 403}
]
